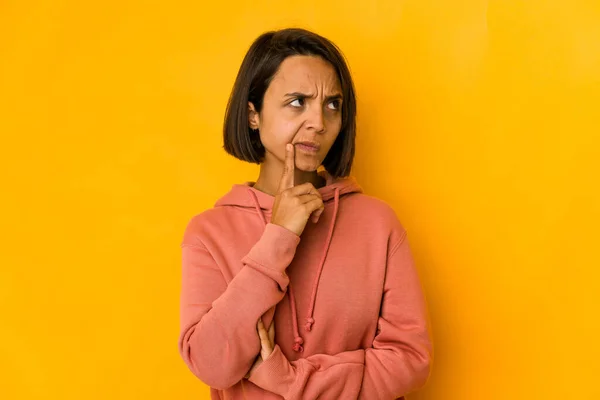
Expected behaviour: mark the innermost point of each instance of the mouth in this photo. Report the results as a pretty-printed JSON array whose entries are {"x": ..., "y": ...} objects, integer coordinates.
[{"x": 308, "y": 147}]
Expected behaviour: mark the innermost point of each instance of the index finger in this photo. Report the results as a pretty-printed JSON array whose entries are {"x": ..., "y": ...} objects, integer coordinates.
[
  {"x": 264, "y": 336},
  {"x": 272, "y": 332},
  {"x": 287, "y": 177}
]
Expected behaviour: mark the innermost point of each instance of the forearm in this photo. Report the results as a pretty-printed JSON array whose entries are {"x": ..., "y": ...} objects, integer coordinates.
[
  {"x": 318, "y": 376},
  {"x": 218, "y": 338},
  {"x": 220, "y": 346}
]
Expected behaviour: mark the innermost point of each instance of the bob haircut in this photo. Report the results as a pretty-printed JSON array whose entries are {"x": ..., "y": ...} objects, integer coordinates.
[{"x": 260, "y": 64}]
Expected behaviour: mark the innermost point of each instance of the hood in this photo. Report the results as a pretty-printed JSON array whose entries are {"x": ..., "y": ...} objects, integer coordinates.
[
  {"x": 244, "y": 195},
  {"x": 239, "y": 193}
]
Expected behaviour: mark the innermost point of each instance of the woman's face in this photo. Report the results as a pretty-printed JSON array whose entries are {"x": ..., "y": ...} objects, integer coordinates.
[{"x": 303, "y": 103}]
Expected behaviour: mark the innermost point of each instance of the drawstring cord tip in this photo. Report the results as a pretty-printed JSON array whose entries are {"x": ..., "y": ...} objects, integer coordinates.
[{"x": 298, "y": 345}]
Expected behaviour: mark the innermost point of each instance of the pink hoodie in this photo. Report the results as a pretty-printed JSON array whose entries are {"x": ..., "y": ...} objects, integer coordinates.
[{"x": 351, "y": 320}]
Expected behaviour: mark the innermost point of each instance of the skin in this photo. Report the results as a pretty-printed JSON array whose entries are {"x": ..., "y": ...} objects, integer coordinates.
[
  {"x": 288, "y": 173},
  {"x": 267, "y": 342},
  {"x": 291, "y": 119}
]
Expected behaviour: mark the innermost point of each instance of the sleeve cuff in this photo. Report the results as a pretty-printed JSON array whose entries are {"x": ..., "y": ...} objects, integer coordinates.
[
  {"x": 275, "y": 249},
  {"x": 275, "y": 374}
]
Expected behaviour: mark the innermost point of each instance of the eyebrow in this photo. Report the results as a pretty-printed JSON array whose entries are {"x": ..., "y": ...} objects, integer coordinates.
[{"x": 336, "y": 96}]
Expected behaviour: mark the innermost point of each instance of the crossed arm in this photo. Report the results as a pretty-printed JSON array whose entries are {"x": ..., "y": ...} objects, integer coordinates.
[
  {"x": 219, "y": 342},
  {"x": 398, "y": 362}
]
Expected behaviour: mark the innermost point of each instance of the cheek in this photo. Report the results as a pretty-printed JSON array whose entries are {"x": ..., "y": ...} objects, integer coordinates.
[
  {"x": 276, "y": 132},
  {"x": 333, "y": 128},
  {"x": 335, "y": 122}
]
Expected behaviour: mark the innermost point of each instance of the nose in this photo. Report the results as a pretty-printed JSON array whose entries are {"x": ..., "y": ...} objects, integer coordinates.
[{"x": 315, "y": 119}]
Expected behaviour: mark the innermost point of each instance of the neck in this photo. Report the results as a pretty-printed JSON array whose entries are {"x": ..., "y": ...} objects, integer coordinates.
[{"x": 269, "y": 177}]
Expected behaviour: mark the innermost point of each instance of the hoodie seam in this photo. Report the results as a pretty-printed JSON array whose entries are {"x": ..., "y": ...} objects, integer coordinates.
[
  {"x": 246, "y": 209},
  {"x": 264, "y": 266},
  {"x": 198, "y": 246},
  {"x": 398, "y": 243}
]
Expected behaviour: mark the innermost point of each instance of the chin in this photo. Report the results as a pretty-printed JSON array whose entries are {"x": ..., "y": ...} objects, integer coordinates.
[{"x": 307, "y": 167}]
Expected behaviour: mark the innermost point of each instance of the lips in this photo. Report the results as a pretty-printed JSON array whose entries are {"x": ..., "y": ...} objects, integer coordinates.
[{"x": 308, "y": 146}]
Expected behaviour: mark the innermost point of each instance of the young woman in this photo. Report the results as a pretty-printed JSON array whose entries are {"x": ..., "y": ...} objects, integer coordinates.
[{"x": 302, "y": 250}]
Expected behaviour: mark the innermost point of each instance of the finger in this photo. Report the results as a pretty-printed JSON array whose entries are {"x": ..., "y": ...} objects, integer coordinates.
[
  {"x": 305, "y": 198},
  {"x": 264, "y": 337},
  {"x": 313, "y": 205},
  {"x": 272, "y": 333},
  {"x": 260, "y": 327},
  {"x": 287, "y": 177},
  {"x": 262, "y": 332},
  {"x": 305, "y": 188},
  {"x": 317, "y": 214},
  {"x": 265, "y": 349}
]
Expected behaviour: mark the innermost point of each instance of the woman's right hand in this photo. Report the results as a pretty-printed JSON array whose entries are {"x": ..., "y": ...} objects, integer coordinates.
[{"x": 294, "y": 205}]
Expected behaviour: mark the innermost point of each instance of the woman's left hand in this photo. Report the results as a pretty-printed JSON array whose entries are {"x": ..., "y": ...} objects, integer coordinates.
[{"x": 267, "y": 342}]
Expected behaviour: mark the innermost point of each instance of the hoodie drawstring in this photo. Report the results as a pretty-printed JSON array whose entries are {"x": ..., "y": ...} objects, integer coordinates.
[{"x": 298, "y": 341}]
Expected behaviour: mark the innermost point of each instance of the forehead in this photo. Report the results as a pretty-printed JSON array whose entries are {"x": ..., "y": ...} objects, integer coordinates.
[{"x": 306, "y": 74}]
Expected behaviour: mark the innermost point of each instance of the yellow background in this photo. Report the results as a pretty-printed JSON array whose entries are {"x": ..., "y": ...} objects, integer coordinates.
[{"x": 478, "y": 122}]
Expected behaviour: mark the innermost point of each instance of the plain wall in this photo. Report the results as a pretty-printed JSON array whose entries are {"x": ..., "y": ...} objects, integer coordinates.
[{"x": 478, "y": 122}]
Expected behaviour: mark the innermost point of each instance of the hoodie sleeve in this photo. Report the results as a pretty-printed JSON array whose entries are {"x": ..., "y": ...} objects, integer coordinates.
[
  {"x": 218, "y": 339},
  {"x": 398, "y": 362}
]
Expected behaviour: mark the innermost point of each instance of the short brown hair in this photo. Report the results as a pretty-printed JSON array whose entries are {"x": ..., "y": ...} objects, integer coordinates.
[{"x": 259, "y": 66}]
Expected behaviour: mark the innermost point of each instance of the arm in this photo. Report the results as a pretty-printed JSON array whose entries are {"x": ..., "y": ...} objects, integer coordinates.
[
  {"x": 218, "y": 339},
  {"x": 402, "y": 354},
  {"x": 397, "y": 364}
]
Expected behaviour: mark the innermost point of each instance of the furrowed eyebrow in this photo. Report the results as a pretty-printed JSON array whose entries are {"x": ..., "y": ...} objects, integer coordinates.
[
  {"x": 333, "y": 97},
  {"x": 336, "y": 96}
]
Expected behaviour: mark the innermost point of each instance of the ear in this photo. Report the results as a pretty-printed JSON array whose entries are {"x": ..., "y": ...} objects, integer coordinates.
[{"x": 253, "y": 117}]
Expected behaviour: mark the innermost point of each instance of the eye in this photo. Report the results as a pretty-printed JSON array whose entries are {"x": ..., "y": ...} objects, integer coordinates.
[
  {"x": 334, "y": 105},
  {"x": 299, "y": 102}
]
